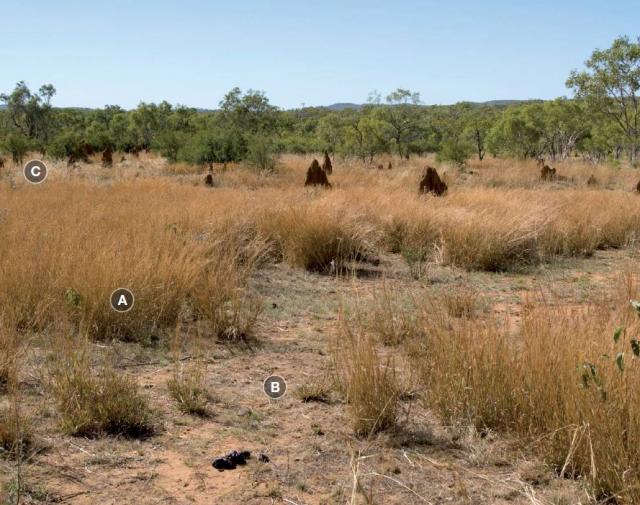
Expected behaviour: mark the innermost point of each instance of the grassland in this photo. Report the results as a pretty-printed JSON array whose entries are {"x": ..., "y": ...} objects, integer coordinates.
[{"x": 475, "y": 348}]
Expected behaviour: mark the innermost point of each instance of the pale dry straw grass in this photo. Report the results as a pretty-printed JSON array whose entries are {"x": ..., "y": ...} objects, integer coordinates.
[{"x": 567, "y": 383}]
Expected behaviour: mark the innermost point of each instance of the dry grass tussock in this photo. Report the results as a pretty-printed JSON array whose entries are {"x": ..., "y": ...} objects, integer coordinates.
[
  {"x": 187, "y": 384},
  {"x": 65, "y": 247},
  {"x": 567, "y": 381},
  {"x": 173, "y": 244},
  {"x": 94, "y": 400},
  {"x": 367, "y": 379},
  {"x": 17, "y": 435}
]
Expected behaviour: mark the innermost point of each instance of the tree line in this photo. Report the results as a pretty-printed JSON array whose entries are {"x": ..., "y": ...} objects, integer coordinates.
[{"x": 601, "y": 122}]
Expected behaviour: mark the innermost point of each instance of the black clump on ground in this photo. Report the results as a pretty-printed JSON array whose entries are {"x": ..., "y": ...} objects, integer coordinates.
[{"x": 231, "y": 460}]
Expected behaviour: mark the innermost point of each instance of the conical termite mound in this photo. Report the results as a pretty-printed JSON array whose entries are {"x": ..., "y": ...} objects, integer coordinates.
[
  {"x": 208, "y": 180},
  {"x": 547, "y": 173},
  {"x": 316, "y": 176},
  {"x": 326, "y": 164},
  {"x": 431, "y": 183},
  {"x": 107, "y": 157}
]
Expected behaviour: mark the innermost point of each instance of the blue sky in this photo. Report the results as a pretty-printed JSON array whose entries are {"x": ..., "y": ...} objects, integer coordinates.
[{"x": 317, "y": 53}]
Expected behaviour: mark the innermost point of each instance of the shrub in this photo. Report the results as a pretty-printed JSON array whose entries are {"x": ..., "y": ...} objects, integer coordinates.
[
  {"x": 17, "y": 146},
  {"x": 456, "y": 152},
  {"x": 215, "y": 146},
  {"x": 66, "y": 144},
  {"x": 261, "y": 153},
  {"x": 169, "y": 143},
  {"x": 317, "y": 390},
  {"x": 10, "y": 350}
]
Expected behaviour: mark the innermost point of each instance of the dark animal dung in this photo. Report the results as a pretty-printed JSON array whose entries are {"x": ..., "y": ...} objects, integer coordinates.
[{"x": 231, "y": 460}]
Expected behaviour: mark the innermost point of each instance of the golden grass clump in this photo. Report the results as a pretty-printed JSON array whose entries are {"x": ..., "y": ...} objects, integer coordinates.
[
  {"x": 368, "y": 381},
  {"x": 66, "y": 247},
  {"x": 187, "y": 384},
  {"x": 16, "y": 429},
  {"x": 96, "y": 401},
  {"x": 390, "y": 318},
  {"x": 568, "y": 382},
  {"x": 483, "y": 240},
  {"x": 16, "y": 432},
  {"x": 11, "y": 350},
  {"x": 319, "y": 234}
]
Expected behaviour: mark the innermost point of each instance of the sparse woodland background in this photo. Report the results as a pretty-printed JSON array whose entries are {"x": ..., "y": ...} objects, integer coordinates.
[{"x": 601, "y": 123}]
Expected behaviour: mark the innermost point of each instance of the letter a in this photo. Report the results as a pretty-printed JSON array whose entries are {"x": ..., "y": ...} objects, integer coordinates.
[{"x": 122, "y": 300}]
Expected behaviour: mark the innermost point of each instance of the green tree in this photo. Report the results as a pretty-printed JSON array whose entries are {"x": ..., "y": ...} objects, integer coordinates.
[
  {"x": 250, "y": 112},
  {"x": 261, "y": 153},
  {"x": 451, "y": 121},
  {"x": 66, "y": 143},
  {"x": 366, "y": 137},
  {"x": 146, "y": 124},
  {"x": 402, "y": 114},
  {"x": 169, "y": 142},
  {"x": 610, "y": 85},
  {"x": 30, "y": 113},
  {"x": 477, "y": 127},
  {"x": 518, "y": 132},
  {"x": 215, "y": 146},
  {"x": 565, "y": 123},
  {"x": 331, "y": 131}
]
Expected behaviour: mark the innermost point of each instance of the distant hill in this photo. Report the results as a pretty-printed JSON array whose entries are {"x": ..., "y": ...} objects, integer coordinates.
[
  {"x": 343, "y": 106},
  {"x": 503, "y": 103},
  {"x": 490, "y": 103},
  {"x": 350, "y": 106}
]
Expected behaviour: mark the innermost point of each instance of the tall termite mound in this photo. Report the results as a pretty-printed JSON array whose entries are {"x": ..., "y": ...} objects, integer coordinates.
[
  {"x": 107, "y": 157},
  {"x": 326, "y": 164},
  {"x": 209, "y": 180},
  {"x": 547, "y": 173},
  {"x": 316, "y": 176},
  {"x": 431, "y": 183}
]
